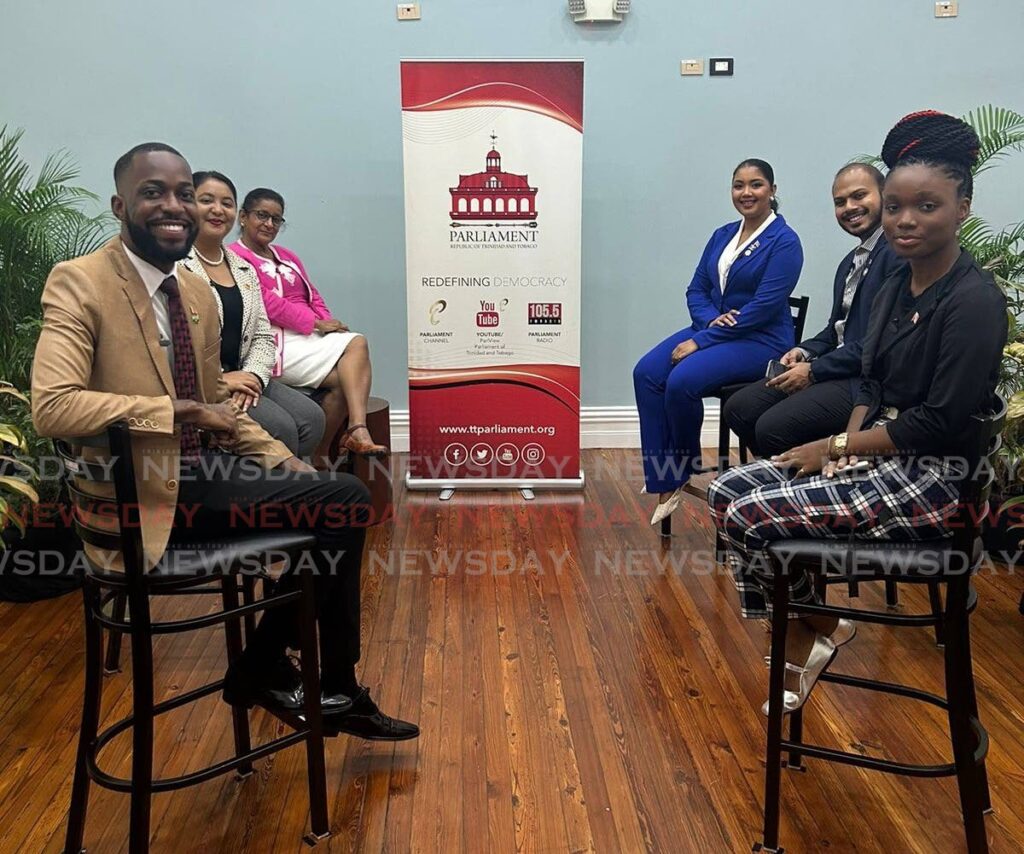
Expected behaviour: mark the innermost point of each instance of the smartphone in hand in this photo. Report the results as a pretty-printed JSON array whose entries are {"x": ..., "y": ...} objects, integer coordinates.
[{"x": 775, "y": 368}]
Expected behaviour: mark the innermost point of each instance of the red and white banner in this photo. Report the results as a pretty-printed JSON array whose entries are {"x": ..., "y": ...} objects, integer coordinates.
[{"x": 493, "y": 196}]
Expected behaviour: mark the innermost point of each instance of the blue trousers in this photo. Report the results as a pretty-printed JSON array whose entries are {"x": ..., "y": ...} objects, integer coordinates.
[{"x": 669, "y": 399}]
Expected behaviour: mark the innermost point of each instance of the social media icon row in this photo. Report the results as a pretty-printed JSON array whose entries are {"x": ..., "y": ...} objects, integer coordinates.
[{"x": 481, "y": 454}]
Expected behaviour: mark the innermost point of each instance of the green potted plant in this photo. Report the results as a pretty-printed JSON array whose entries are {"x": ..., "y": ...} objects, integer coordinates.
[
  {"x": 1001, "y": 252},
  {"x": 43, "y": 220}
]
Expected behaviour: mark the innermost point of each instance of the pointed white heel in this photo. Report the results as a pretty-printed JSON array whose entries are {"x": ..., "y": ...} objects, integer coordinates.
[{"x": 668, "y": 507}]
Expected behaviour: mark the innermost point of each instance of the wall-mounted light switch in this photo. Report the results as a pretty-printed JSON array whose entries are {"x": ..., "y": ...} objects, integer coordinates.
[
  {"x": 693, "y": 67},
  {"x": 947, "y": 9},
  {"x": 408, "y": 11}
]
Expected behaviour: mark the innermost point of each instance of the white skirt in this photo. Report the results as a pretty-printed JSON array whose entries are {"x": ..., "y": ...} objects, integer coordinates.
[{"x": 309, "y": 358}]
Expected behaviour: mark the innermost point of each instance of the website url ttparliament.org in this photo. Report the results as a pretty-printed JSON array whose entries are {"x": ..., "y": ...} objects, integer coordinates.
[{"x": 497, "y": 430}]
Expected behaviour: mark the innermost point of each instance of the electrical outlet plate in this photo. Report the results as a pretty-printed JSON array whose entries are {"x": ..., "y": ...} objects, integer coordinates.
[
  {"x": 691, "y": 67},
  {"x": 408, "y": 11},
  {"x": 947, "y": 9},
  {"x": 720, "y": 66}
]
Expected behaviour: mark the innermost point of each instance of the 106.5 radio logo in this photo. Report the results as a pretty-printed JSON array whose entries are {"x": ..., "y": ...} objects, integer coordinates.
[{"x": 544, "y": 313}]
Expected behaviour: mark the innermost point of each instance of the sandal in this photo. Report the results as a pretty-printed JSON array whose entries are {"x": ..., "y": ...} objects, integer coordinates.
[{"x": 363, "y": 449}]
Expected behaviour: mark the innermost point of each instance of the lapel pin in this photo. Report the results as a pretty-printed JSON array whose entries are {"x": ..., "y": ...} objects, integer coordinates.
[
  {"x": 915, "y": 318},
  {"x": 195, "y": 314}
]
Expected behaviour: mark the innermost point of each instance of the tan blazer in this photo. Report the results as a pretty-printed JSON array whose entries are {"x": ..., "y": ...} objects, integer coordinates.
[{"x": 99, "y": 360}]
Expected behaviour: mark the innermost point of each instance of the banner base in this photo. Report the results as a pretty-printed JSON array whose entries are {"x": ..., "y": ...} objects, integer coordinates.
[{"x": 448, "y": 486}]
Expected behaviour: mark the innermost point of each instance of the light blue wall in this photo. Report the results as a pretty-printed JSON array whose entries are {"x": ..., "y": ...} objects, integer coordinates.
[{"x": 304, "y": 97}]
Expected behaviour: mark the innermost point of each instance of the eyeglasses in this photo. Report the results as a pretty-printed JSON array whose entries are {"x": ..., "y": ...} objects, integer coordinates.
[{"x": 263, "y": 216}]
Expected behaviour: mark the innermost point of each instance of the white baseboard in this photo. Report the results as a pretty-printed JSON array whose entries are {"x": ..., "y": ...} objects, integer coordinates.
[{"x": 600, "y": 427}]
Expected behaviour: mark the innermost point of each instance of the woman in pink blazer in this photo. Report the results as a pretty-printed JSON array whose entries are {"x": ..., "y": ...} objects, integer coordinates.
[{"x": 314, "y": 350}]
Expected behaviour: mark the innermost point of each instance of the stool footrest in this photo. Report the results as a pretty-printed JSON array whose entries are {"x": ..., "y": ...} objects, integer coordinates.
[
  {"x": 860, "y": 615},
  {"x": 169, "y": 627},
  {"x": 170, "y": 784},
  {"x": 889, "y": 766},
  {"x": 886, "y": 765},
  {"x": 885, "y": 688},
  {"x": 105, "y": 736}
]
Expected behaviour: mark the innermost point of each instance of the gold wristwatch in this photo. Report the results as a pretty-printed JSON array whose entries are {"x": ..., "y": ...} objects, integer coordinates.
[{"x": 839, "y": 445}]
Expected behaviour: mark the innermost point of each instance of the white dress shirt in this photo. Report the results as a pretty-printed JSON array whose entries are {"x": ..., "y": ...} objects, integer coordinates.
[
  {"x": 733, "y": 250},
  {"x": 152, "y": 278}
]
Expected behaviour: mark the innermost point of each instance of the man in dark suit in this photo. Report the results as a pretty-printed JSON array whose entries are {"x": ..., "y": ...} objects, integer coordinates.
[{"x": 814, "y": 397}]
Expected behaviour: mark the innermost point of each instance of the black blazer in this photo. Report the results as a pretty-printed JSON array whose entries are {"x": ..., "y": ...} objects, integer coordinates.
[
  {"x": 832, "y": 362},
  {"x": 942, "y": 370}
]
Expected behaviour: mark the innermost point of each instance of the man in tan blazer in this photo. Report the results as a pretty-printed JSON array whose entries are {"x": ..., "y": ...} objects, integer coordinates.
[{"x": 116, "y": 325}]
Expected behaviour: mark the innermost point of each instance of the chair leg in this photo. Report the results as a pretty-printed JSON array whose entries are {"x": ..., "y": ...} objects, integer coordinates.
[
  {"x": 972, "y": 706},
  {"x": 316, "y": 772},
  {"x": 796, "y": 735},
  {"x": 935, "y": 599},
  {"x": 233, "y": 642},
  {"x": 113, "y": 661},
  {"x": 743, "y": 453},
  {"x": 666, "y": 527},
  {"x": 892, "y": 594},
  {"x": 249, "y": 597},
  {"x": 142, "y": 730},
  {"x": 958, "y": 669},
  {"x": 776, "y": 686},
  {"x": 75, "y": 835},
  {"x": 723, "y": 444}
]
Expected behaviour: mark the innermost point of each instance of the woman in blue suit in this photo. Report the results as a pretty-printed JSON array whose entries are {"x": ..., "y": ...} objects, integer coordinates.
[{"x": 739, "y": 304}]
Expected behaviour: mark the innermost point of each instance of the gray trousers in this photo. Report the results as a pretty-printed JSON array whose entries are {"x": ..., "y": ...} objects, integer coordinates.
[{"x": 290, "y": 416}]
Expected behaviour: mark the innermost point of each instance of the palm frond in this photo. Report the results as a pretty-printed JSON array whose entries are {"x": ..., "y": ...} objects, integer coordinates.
[
  {"x": 1000, "y": 131},
  {"x": 43, "y": 221}
]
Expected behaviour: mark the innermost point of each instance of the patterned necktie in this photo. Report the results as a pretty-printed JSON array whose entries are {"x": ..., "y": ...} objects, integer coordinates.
[
  {"x": 858, "y": 269},
  {"x": 184, "y": 366}
]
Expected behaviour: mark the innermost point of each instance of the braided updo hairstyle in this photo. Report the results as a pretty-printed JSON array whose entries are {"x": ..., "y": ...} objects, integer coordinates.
[{"x": 934, "y": 139}]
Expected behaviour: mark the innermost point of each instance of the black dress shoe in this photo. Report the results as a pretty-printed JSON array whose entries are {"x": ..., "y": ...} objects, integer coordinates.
[
  {"x": 275, "y": 685},
  {"x": 335, "y": 703},
  {"x": 365, "y": 720}
]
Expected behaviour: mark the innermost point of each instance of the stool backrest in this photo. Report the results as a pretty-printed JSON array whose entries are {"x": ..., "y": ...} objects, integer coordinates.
[
  {"x": 798, "y": 308},
  {"x": 982, "y": 442},
  {"x": 108, "y": 523}
]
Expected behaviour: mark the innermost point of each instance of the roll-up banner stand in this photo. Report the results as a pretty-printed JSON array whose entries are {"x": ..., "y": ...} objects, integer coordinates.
[{"x": 493, "y": 153}]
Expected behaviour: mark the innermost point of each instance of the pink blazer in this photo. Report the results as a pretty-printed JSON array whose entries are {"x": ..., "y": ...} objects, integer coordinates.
[{"x": 291, "y": 300}]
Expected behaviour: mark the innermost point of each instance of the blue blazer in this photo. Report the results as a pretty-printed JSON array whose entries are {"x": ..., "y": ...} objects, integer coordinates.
[
  {"x": 831, "y": 363},
  {"x": 759, "y": 285}
]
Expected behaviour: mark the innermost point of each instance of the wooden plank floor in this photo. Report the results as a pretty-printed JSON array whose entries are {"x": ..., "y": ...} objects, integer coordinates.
[{"x": 579, "y": 688}]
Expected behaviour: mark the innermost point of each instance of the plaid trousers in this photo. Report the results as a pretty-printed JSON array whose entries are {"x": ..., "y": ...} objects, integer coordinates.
[{"x": 754, "y": 505}]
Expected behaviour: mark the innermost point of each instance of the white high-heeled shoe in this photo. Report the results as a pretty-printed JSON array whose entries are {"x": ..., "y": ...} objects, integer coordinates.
[
  {"x": 843, "y": 633},
  {"x": 667, "y": 507},
  {"x": 822, "y": 654}
]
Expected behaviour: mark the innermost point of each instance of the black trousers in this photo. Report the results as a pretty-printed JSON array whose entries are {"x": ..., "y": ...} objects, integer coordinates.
[
  {"x": 226, "y": 494},
  {"x": 769, "y": 421}
]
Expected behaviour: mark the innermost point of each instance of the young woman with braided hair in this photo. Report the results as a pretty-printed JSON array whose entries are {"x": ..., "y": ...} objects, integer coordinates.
[{"x": 931, "y": 360}]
